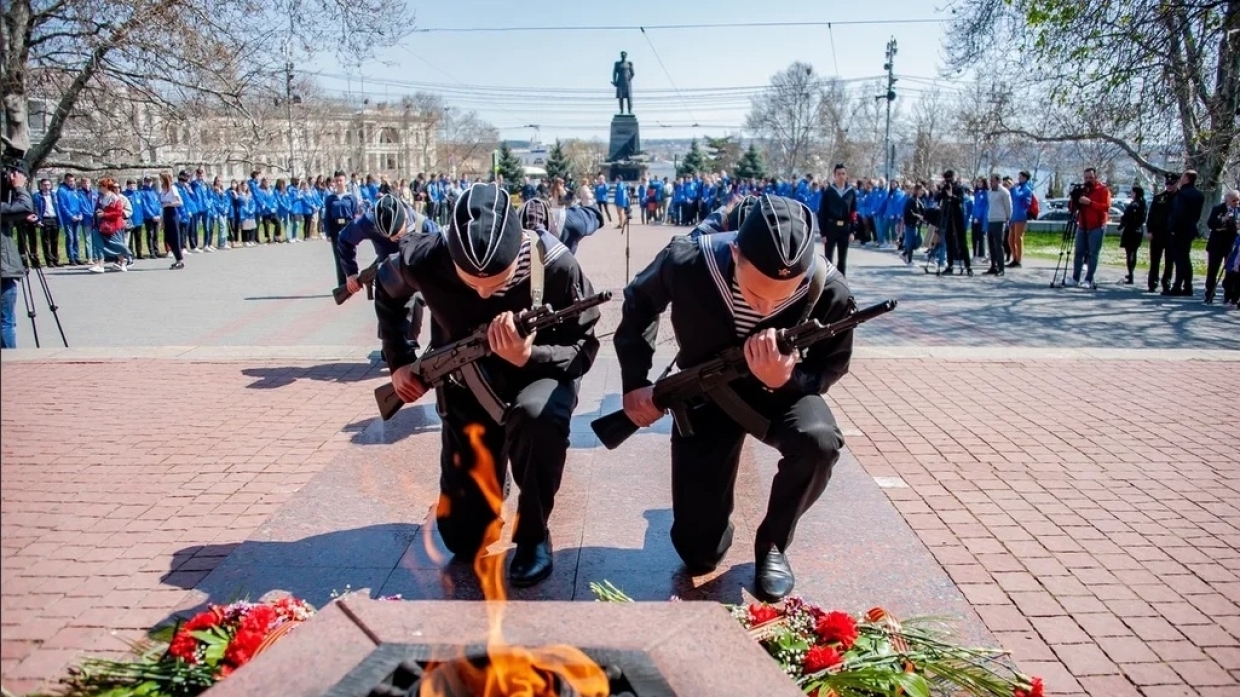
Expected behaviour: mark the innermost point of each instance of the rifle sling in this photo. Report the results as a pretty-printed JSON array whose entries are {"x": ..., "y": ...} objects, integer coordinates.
[
  {"x": 744, "y": 415},
  {"x": 538, "y": 252}
]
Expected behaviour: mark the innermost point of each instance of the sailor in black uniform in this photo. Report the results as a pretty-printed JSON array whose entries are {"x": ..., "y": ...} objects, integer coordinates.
[
  {"x": 727, "y": 289},
  {"x": 483, "y": 270}
]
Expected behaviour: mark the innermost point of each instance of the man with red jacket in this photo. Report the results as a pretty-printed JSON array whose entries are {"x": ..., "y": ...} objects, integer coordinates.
[{"x": 1093, "y": 204}]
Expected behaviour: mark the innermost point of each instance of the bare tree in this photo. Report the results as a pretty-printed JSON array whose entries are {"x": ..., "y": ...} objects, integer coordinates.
[
  {"x": 585, "y": 156},
  {"x": 790, "y": 118},
  {"x": 463, "y": 139},
  {"x": 165, "y": 58},
  {"x": 1132, "y": 73}
]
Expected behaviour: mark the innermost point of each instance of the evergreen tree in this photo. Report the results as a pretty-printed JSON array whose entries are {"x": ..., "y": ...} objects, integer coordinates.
[
  {"x": 557, "y": 164},
  {"x": 510, "y": 168},
  {"x": 751, "y": 165},
  {"x": 722, "y": 154},
  {"x": 693, "y": 163}
]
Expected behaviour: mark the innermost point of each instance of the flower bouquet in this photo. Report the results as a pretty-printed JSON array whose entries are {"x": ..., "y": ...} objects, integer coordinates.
[
  {"x": 833, "y": 654},
  {"x": 188, "y": 658}
]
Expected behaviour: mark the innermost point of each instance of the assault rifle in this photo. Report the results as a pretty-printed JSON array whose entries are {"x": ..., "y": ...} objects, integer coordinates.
[
  {"x": 711, "y": 380},
  {"x": 366, "y": 278},
  {"x": 457, "y": 362}
]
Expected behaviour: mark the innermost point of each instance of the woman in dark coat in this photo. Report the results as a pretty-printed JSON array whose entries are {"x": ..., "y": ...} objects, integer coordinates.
[{"x": 1131, "y": 229}]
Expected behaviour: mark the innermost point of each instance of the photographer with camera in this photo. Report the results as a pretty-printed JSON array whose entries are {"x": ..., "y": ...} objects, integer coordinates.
[
  {"x": 952, "y": 223},
  {"x": 1091, "y": 203},
  {"x": 1222, "y": 224},
  {"x": 16, "y": 210}
]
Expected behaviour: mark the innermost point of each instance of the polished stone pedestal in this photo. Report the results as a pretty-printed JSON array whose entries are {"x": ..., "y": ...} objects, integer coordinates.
[
  {"x": 695, "y": 647},
  {"x": 625, "y": 138}
]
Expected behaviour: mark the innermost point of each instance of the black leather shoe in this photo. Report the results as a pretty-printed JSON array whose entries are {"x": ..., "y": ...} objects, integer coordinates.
[
  {"x": 774, "y": 578},
  {"x": 531, "y": 563}
]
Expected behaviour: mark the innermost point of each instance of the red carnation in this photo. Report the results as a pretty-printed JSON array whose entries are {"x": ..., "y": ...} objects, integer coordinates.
[
  {"x": 1035, "y": 689},
  {"x": 203, "y": 620},
  {"x": 819, "y": 658},
  {"x": 258, "y": 619},
  {"x": 761, "y": 614},
  {"x": 184, "y": 647},
  {"x": 243, "y": 646},
  {"x": 837, "y": 626}
]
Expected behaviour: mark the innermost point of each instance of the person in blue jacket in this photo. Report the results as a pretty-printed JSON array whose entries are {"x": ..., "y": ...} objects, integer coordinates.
[
  {"x": 201, "y": 217},
  {"x": 385, "y": 225},
  {"x": 87, "y": 199},
  {"x": 980, "y": 217},
  {"x": 893, "y": 214},
  {"x": 69, "y": 215},
  {"x": 622, "y": 203},
  {"x": 600, "y": 196},
  {"x": 186, "y": 213},
  {"x": 152, "y": 213},
  {"x": 137, "y": 220},
  {"x": 339, "y": 209},
  {"x": 1022, "y": 199}
]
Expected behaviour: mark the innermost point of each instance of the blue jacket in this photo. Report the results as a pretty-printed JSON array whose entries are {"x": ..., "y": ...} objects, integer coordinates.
[
  {"x": 86, "y": 202},
  {"x": 202, "y": 195},
  {"x": 135, "y": 202},
  {"x": 247, "y": 207},
  {"x": 189, "y": 204},
  {"x": 265, "y": 201},
  {"x": 68, "y": 205},
  {"x": 895, "y": 204},
  {"x": 622, "y": 195},
  {"x": 981, "y": 206},
  {"x": 364, "y": 228},
  {"x": 151, "y": 208},
  {"x": 41, "y": 208},
  {"x": 579, "y": 222},
  {"x": 338, "y": 211},
  {"x": 600, "y": 193},
  {"x": 1022, "y": 198}
]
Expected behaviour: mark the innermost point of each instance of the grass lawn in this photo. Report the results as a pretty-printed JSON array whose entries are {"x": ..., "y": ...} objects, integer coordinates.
[{"x": 1046, "y": 245}]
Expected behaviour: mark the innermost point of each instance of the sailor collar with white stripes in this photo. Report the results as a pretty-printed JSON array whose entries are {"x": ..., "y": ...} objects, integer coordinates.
[
  {"x": 554, "y": 251},
  {"x": 723, "y": 273}
]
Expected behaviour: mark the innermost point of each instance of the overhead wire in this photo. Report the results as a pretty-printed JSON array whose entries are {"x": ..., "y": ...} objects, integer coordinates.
[
  {"x": 665, "y": 72},
  {"x": 676, "y": 27}
]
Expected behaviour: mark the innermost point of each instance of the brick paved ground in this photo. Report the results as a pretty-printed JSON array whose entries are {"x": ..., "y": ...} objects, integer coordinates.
[
  {"x": 1086, "y": 508},
  {"x": 109, "y": 468}
]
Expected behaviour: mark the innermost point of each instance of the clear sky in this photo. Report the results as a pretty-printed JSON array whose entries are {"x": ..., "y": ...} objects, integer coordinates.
[{"x": 559, "y": 77}]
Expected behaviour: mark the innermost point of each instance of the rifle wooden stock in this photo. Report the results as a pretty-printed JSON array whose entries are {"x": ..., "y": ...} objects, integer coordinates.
[
  {"x": 366, "y": 278},
  {"x": 389, "y": 402},
  {"x": 673, "y": 391}
]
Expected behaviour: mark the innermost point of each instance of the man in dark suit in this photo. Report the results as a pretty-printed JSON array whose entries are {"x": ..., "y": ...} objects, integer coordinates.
[
  {"x": 1185, "y": 215},
  {"x": 1222, "y": 224},
  {"x": 1156, "y": 229}
]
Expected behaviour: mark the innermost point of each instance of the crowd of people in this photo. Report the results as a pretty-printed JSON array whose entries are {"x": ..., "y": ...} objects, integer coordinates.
[{"x": 106, "y": 225}]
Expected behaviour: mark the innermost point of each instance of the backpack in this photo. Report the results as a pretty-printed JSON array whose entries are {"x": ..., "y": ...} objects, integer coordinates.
[{"x": 1034, "y": 209}]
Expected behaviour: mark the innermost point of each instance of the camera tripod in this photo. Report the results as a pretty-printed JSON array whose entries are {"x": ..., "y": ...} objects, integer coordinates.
[
  {"x": 28, "y": 297},
  {"x": 1066, "y": 245}
]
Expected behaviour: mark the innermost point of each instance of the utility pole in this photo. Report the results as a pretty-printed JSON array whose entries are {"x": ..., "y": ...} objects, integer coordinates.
[{"x": 890, "y": 96}]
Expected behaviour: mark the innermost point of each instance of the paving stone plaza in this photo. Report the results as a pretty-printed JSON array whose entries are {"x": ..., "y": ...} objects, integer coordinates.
[{"x": 1058, "y": 468}]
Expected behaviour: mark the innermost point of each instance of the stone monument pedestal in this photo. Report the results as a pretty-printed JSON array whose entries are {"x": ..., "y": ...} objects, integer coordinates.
[
  {"x": 625, "y": 138},
  {"x": 624, "y": 149}
]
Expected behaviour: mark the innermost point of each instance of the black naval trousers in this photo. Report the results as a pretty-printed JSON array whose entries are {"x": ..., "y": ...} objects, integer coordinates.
[
  {"x": 704, "y": 468},
  {"x": 534, "y": 438},
  {"x": 1160, "y": 249}
]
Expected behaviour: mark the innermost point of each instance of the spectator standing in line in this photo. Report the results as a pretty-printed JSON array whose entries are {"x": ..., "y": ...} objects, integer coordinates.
[
  {"x": 1222, "y": 224},
  {"x": 69, "y": 213},
  {"x": 998, "y": 213},
  {"x": 173, "y": 212},
  {"x": 1131, "y": 230},
  {"x": 1182, "y": 224},
  {"x": 1159, "y": 236},
  {"x": 1022, "y": 198},
  {"x": 49, "y": 222}
]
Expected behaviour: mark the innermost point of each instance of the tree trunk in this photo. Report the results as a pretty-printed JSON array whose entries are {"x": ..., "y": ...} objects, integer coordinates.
[{"x": 14, "y": 33}]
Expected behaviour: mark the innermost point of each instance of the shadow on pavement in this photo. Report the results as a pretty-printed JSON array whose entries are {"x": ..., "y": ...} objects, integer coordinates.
[
  {"x": 398, "y": 559},
  {"x": 1022, "y": 309},
  {"x": 289, "y": 297},
  {"x": 269, "y": 378}
]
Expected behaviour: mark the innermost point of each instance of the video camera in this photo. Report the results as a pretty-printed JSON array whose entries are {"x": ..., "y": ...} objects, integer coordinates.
[
  {"x": 12, "y": 160},
  {"x": 1075, "y": 192}
]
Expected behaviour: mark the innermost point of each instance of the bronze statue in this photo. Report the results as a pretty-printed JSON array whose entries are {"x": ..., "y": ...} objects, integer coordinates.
[{"x": 622, "y": 78}]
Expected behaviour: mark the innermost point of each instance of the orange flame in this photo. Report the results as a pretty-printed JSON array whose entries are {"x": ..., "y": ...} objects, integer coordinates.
[{"x": 510, "y": 671}]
